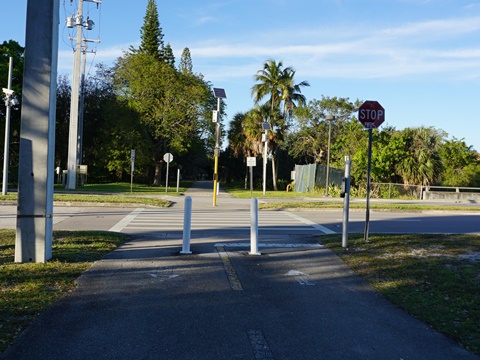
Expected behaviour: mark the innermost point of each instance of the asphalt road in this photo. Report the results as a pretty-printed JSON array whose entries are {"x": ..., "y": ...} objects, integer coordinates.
[{"x": 106, "y": 218}]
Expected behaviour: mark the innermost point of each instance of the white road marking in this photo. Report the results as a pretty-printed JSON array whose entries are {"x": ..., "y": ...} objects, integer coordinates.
[
  {"x": 311, "y": 223},
  {"x": 122, "y": 224},
  {"x": 300, "y": 277}
]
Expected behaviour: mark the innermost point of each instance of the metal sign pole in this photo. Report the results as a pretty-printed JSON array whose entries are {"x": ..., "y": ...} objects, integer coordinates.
[
  {"x": 346, "y": 202},
  {"x": 132, "y": 157},
  {"x": 251, "y": 181},
  {"x": 178, "y": 179},
  {"x": 166, "y": 177},
  {"x": 369, "y": 169}
]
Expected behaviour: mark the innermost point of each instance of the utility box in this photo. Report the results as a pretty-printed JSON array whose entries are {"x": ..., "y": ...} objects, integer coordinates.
[{"x": 82, "y": 173}]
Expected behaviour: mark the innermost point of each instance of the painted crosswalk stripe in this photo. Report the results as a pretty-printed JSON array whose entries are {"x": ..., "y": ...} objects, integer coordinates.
[
  {"x": 122, "y": 224},
  {"x": 311, "y": 223}
]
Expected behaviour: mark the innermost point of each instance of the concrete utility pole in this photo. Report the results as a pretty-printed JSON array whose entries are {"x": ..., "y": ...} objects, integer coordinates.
[
  {"x": 73, "y": 130},
  {"x": 76, "y": 125},
  {"x": 37, "y": 134}
]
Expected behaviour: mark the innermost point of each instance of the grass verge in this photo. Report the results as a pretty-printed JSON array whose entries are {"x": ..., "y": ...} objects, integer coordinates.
[
  {"x": 102, "y": 199},
  {"x": 436, "y": 278},
  {"x": 26, "y": 290},
  {"x": 112, "y": 199},
  {"x": 362, "y": 205},
  {"x": 122, "y": 187}
]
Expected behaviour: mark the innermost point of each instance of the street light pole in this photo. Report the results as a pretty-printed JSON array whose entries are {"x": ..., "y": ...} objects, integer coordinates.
[
  {"x": 8, "y": 103},
  {"x": 265, "y": 126},
  {"x": 219, "y": 94},
  {"x": 329, "y": 118}
]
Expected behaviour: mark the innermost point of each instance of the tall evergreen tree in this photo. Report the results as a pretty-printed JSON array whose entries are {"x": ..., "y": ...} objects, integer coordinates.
[
  {"x": 151, "y": 33},
  {"x": 186, "y": 66},
  {"x": 168, "y": 56}
]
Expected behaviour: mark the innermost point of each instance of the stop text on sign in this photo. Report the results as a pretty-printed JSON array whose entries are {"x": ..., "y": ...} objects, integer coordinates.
[{"x": 371, "y": 115}]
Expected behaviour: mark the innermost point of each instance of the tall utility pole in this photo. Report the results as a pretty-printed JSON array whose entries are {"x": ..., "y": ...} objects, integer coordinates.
[
  {"x": 74, "y": 148},
  {"x": 73, "y": 130}
]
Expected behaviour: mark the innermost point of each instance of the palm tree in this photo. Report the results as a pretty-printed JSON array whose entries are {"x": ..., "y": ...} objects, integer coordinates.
[
  {"x": 422, "y": 165},
  {"x": 293, "y": 96},
  {"x": 273, "y": 80},
  {"x": 243, "y": 136},
  {"x": 276, "y": 82}
]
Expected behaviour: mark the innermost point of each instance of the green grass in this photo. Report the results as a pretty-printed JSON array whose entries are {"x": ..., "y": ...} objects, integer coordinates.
[
  {"x": 124, "y": 188},
  {"x": 239, "y": 192},
  {"x": 376, "y": 206},
  {"x": 112, "y": 199},
  {"x": 113, "y": 193},
  {"x": 103, "y": 199},
  {"x": 436, "y": 278},
  {"x": 26, "y": 290}
]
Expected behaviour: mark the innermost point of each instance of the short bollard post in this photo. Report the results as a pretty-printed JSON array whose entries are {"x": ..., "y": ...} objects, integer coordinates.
[
  {"x": 187, "y": 224},
  {"x": 254, "y": 227}
]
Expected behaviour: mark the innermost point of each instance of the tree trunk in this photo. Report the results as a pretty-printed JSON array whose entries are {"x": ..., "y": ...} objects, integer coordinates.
[
  {"x": 274, "y": 174},
  {"x": 157, "y": 181},
  {"x": 246, "y": 177}
]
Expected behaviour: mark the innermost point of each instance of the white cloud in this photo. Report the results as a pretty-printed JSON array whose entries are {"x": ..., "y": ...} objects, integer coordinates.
[{"x": 406, "y": 50}]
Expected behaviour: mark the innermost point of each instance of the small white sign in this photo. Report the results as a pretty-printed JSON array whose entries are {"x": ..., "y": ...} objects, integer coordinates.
[
  {"x": 132, "y": 158},
  {"x": 168, "y": 157},
  {"x": 251, "y": 161}
]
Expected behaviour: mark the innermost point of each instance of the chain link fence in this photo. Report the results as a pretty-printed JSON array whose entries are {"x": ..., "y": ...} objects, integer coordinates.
[{"x": 395, "y": 191}]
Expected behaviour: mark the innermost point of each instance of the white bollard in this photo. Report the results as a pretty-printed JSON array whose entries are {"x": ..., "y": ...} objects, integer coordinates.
[
  {"x": 187, "y": 225},
  {"x": 254, "y": 227}
]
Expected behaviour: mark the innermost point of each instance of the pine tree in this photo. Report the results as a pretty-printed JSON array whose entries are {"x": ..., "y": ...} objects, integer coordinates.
[
  {"x": 151, "y": 33},
  {"x": 186, "y": 66},
  {"x": 168, "y": 56}
]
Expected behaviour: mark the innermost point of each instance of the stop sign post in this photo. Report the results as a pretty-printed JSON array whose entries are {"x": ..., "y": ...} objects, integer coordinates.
[
  {"x": 371, "y": 114},
  {"x": 167, "y": 158}
]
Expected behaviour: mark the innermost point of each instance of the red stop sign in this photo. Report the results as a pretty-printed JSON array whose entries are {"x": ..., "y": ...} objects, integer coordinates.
[{"x": 371, "y": 114}]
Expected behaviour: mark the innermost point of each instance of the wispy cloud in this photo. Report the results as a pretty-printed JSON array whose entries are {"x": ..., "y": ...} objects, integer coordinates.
[
  {"x": 204, "y": 20},
  {"x": 406, "y": 50}
]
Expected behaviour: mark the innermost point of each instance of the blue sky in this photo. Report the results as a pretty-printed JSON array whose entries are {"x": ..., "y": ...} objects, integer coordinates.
[{"x": 419, "y": 58}]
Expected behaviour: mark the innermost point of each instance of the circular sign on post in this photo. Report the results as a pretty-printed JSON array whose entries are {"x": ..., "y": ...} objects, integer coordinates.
[
  {"x": 168, "y": 157},
  {"x": 371, "y": 114}
]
